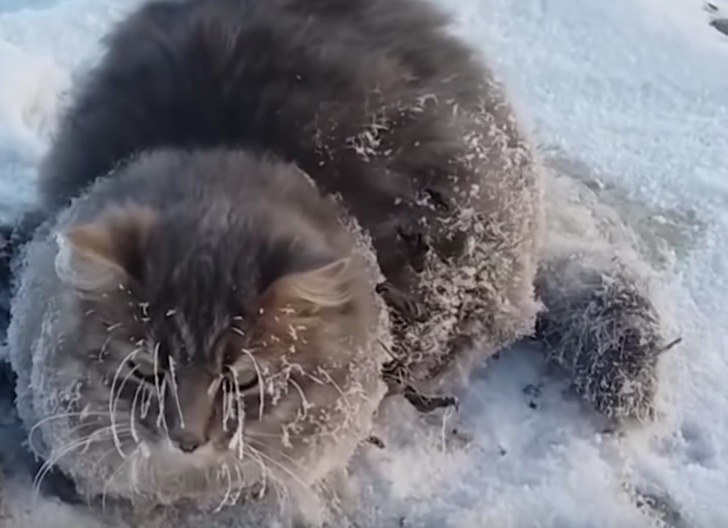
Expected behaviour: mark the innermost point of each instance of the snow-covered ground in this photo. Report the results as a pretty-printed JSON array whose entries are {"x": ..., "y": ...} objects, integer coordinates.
[{"x": 632, "y": 94}]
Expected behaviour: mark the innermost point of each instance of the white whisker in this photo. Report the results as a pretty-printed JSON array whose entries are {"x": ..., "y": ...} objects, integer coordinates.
[
  {"x": 40, "y": 423},
  {"x": 161, "y": 419},
  {"x": 265, "y": 472},
  {"x": 304, "y": 401},
  {"x": 97, "y": 435},
  {"x": 241, "y": 483},
  {"x": 279, "y": 465},
  {"x": 258, "y": 372},
  {"x": 173, "y": 380},
  {"x": 132, "y": 414},
  {"x": 329, "y": 379},
  {"x": 108, "y": 481},
  {"x": 238, "y": 441},
  {"x": 280, "y": 453},
  {"x": 226, "y": 471},
  {"x": 279, "y": 488},
  {"x": 112, "y": 398}
]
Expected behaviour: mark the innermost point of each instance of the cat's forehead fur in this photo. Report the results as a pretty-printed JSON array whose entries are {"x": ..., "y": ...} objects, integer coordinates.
[
  {"x": 199, "y": 260},
  {"x": 201, "y": 278}
]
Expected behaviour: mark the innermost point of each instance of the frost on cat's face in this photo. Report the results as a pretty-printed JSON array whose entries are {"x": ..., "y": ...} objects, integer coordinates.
[{"x": 214, "y": 342}]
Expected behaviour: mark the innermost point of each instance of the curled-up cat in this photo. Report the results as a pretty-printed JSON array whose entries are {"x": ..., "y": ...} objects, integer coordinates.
[{"x": 260, "y": 217}]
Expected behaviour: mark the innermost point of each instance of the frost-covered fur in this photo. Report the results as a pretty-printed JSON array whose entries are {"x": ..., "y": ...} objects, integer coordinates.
[
  {"x": 381, "y": 109},
  {"x": 90, "y": 416},
  {"x": 602, "y": 327}
]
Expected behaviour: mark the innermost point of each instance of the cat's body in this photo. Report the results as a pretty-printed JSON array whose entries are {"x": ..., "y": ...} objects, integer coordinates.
[
  {"x": 375, "y": 102},
  {"x": 383, "y": 111}
]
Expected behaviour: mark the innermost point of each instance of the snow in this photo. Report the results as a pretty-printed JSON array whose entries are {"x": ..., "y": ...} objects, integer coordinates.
[{"x": 633, "y": 92}]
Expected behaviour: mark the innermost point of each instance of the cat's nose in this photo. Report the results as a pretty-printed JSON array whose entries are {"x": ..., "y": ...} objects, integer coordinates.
[{"x": 186, "y": 442}]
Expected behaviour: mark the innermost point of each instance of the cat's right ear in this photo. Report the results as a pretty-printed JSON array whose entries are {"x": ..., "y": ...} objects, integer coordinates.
[{"x": 102, "y": 255}]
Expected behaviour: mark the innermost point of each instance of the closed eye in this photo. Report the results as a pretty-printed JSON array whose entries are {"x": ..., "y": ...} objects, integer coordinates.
[
  {"x": 143, "y": 372},
  {"x": 151, "y": 379},
  {"x": 246, "y": 383}
]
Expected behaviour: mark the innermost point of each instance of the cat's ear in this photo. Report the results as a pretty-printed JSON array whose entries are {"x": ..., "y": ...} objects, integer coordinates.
[
  {"x": 330, "y": 286},
  {"x": 105, "y": 253}
]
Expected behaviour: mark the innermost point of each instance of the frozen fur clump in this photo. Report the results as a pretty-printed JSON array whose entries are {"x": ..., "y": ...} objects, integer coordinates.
[{"x": 601, "y": 326}]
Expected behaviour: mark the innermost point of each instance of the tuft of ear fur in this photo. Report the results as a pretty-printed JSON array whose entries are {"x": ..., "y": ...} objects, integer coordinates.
[
  {"x": 328, "y": 287},
  {"x": 98, "y": 256}
]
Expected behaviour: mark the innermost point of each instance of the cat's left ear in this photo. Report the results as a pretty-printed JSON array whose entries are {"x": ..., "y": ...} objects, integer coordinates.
[{"x": 105, "y": 253}]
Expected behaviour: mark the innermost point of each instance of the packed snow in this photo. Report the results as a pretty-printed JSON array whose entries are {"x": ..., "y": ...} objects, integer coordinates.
[{"x": 628, "y": 102}]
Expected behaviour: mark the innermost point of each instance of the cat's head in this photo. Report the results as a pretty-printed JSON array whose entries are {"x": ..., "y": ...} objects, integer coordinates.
[{"x": 230, "y": 336}]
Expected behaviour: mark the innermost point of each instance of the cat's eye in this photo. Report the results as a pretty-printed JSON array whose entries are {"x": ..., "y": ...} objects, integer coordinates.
[
  {"x": 151, "y": 379},
  {"x": 247, "y": 381},
  {"x": 143, "y": 372}
]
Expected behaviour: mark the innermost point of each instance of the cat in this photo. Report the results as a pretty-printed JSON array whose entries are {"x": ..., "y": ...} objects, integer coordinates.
[
  {"x": 259, "y": 218},
  {"x": 179, "y": 309}
]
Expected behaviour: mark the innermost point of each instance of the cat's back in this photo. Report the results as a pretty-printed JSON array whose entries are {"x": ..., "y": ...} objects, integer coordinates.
[{"x": 310, "y": 81}]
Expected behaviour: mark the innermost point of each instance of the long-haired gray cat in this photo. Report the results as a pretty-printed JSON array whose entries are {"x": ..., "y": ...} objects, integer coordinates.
[{"x": 262, "y": 217}]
